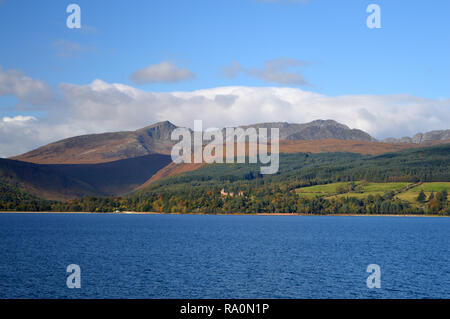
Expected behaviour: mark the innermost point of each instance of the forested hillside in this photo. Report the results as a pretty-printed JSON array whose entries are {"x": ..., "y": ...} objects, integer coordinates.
[
  {"x": 239, "y": 188},
  {"x": 302, "y": 169},
  {"x": 12, "y": 198},
  {"x": 200, "y": 190}
]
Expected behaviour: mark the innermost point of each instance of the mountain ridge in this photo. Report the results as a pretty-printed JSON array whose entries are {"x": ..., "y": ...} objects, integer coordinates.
[
  {"x": 316, "y": 130},
  {"x": 155, "y": 139},
  {"x": 421, "y": 138}
]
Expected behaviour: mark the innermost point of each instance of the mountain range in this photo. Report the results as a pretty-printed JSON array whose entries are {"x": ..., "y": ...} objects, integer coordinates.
[
  {"x": 316, "y": 130},
  {"x": 422, "y": 138},
  {"x": 117, "y": 163},
  {"x": 155, "y": 139}
]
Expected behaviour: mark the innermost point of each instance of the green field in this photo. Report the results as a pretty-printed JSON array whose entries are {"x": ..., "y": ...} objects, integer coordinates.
[
  {"x": 360, "y": 189},
  {"x": 321, "y": 190},
  {"x": 383, "y": 187},
  {"x": 411, "y": 195}
]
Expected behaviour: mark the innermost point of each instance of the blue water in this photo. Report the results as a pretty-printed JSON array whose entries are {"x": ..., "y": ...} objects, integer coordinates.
[{"x": 179, "y": 256}]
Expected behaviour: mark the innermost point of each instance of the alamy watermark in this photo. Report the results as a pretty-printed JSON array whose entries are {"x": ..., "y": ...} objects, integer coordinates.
[
  {"x": 192, "y": 149},
  {"x": 74, "y": 279},
  {"x": 74, "y": 19},
  {"x": 374, "y": 279},
  {"x": 374, "y": 19}
]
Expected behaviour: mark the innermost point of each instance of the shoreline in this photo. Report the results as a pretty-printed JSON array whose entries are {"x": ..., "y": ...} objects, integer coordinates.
[{"x": 223, "y": 214}]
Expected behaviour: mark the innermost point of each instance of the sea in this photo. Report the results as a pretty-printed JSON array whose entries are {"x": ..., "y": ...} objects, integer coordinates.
[{"x": 223, "y": 256}]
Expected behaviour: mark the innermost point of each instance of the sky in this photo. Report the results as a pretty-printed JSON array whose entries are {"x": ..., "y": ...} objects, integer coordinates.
[{"x": 134, "y": 63}]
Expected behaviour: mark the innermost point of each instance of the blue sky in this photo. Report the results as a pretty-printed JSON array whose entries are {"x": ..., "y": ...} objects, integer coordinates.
[
  {"x": 325, "y": 45},
  {"x": 409, "y": 54}
]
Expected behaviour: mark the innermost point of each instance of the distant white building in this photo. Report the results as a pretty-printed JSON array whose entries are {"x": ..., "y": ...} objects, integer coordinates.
[{"x": 223, "y": 193}]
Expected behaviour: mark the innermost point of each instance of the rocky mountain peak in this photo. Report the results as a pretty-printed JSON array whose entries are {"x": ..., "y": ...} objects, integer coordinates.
[
  {"x": 160, "y": 130},
  {"x": 420, "y": 138}
]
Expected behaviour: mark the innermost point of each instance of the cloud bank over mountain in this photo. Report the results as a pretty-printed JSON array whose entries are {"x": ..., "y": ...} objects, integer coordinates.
[{"x": 100, "y": 107}]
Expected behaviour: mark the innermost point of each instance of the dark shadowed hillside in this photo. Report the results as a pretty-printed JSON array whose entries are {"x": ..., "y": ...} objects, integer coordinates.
[{"x": 63, "y": 181}]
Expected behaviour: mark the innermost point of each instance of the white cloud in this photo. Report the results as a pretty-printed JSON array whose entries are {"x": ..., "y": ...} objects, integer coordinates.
[
  {"x": 19, "y": 119},
  {"x": 17, "y": 135},
  {"x": 26, "y": 89},
  {"x": 164, "y": 72},
  {"x": 280, "y": 71},
  {"x": 103, "y": 107}
]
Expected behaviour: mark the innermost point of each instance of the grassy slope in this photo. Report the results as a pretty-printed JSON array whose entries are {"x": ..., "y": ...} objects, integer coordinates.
[
  {"x": 403, "y": 191},
  {"x": 411, "y": 195},
  {"x": 321, "y": 190}
]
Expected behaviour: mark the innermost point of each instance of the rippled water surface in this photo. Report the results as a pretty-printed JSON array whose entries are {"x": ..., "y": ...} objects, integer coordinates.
[{"x": 202, "y": 256}]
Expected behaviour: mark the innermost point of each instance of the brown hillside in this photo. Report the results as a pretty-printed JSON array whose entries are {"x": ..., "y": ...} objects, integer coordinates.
[
  {"x": 332, "y": 145},
  {"x": 105, "y": 147},
  {"x": 172, "y": 169}
]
